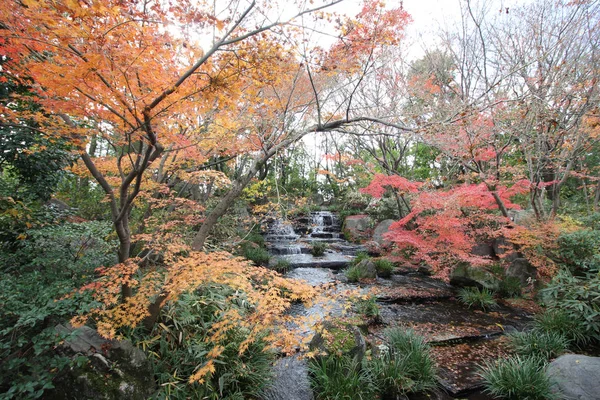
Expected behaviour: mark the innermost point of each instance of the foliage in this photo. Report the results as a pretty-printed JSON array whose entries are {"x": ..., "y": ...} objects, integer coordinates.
[
  {"x": 48, "y": 264},
  {"x": 281, "y": 265},
  {"x": 340, "y": 378},
  {"x": 258, "y": 255},
  {"x": 368, "y": 308},
  {"x": 482, "y": 299},
  {"x": 355, "y": 273},
  {"x": 510, "y": 286},
  {"x": 517, "y": 378},
  {"x": 578, "y": 297},
  {"x": 420, "y": 367},
  {"x": 580, "y": 250},
  {"x": 559, "y": 321},
  {"x": 318, "y": 249},
  {"x": 256, "y": 238},
  {"x": 384, "y": 267},
  {"x": 179, "y": 343},
  {"x": 266, "y": 294},
  {"x": 546, "y": 345}
]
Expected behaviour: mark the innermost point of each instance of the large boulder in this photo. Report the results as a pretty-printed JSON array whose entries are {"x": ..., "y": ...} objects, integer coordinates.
[
  {"x": 483, "y": 250},
  {"x": 380, "y": 229},
  {"x": 521, "y": 268},
  {"x": 467, "y": 276},
  {"x": 575, "y": 377},
  {"x": 290, "y": 381},
  {"x": 357, "y": 227},
  {"x": 367, "y": 269},
  {"x": 106, "y": 369},
  {"x": 339, "y": 337}
]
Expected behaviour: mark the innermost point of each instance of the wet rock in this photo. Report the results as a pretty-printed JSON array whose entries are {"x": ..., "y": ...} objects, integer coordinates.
[
  {"x": 318, "y": 199},
  {"x": 367, "y": 269},
  {"x": 520, "y": 268},
  {"x": 114, "y": 369},
  {"x": 576, "y": 377},
  {"x": 467, "y": 276},
  {"x": 339, "y": 337},
  {"x": 290, "y": 381},
  {"x": 380, "y": 229}
]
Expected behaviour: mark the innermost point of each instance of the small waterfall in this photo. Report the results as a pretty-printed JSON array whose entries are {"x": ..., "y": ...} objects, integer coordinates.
[
  {"x": 281, "y": 231},
  {"x": 325, "y": 225}
]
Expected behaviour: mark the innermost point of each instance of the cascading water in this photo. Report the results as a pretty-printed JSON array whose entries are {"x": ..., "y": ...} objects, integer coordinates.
[{"x": 325, "y": 225}]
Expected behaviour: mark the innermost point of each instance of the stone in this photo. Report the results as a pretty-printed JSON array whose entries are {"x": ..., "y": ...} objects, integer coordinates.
[
  {"x": 339, "y": 337},
  {"x": 114, "y": 369},
  {"x": 467, "y": 276},
  {"x": 367, "y": 269},
  {"x": 520, "y": 268},
  {"x": 380, "y": 229},
  {"x": 290, "y": 381},
  {"x": 575, "y": 377},
  {"x": 483, "y": 250},
  {"x": 318, "y": 199},
  {"x": 357, "y": 227}
]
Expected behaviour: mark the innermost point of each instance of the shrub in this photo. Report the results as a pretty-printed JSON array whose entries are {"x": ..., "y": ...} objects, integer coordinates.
[
  {"x": 517, "y": 378},
  {"x": 354, "y": 274},
  {"x": 579, "y": 299},
  {"x": 510, "y": 286},
  {"x": 546, "y": 345},
  {"x": 579, "y": 250},
  {"x": 384, "y": 267},
  {"x": 360, "y": 256},
  {"x": 368, "y": 308},
  {"x": 258, "y": 255},
  {"x": 477, "y": 298},
  {"x": 340, "y": 378},
  {"x": 560, "y": 322},
  {"x": 256, "y": 238},
  {"x": 412, "y": 347},
  {"x": 282, "y": 266},
  {"x": 318, "y": 249}
]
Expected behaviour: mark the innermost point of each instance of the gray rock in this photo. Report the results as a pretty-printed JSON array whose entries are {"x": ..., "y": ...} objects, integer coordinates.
[
  {"x": 290, "y": 381},
  {"x": 576, "y": 377},
  {"x": 341, "y": 337},
  {"x": 520, "y": 268},
  {"x": 467, "y": 276},
  {"x": 114, "y": 369},
  {"x": 356, "y": 227},
  {"x": 380, "y": 229},
  {"x": 367, "y": 269},
  {"x": 483, "y": 250}
]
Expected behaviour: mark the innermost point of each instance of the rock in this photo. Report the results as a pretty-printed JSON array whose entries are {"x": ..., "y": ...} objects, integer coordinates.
[
  {"x": 521, "y": 217},
  {"x": 575, "y": 377},
  {"x": 483, "y": 250},
  {"x": 367, "y": 269},
  {"x": 467, "y": 276},
  {"x": 339, "y": 337},
  {"x": 114, "y": 369},
  {"x": 356, "y": 227},
  {"x": 520, "y": 268},
  {"x": 290, "y": 381},
  {"x": 380, "y": 229},
  {"x": 504, "y": 249},
  {"x": 318, "y": 199}
]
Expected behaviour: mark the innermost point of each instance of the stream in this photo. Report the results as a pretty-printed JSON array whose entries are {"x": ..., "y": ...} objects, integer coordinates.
[{"x": 461, "y": 338}]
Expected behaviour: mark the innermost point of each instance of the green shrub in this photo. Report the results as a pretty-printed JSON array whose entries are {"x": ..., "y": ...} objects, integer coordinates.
[
  {"x": 510, "y": 286},
  {"x": 517, "y": 378},
  {"x": 318, "y": 249},
  {"x": 546, "y": 345},
  {"x": 560, "y": 322},
  {"x": 579, "y": 250},
  {"x": 384, "y": 267},
  {"x": 282, "y": 266},
  {"x": 177, "y": 345},
  {"x": 368, "y": 308},
  {"x": 579, "y": 298},
  {"x": 419, "y": 365},
  {"x": 258, "y": 255},
  {"x": 256, "y": 238},
  {"x": 477, "y": 298},
  {"x": 340, "y": 378},
  {"x": 354, "y": 274},
  {"x": 360, "y": 256}
]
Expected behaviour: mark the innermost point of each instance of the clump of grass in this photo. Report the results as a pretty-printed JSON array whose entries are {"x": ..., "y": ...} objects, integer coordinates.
[
  {"x": 384, "y": 267},
  {"x": 258, "y": 255},
  {"x": 354, "y": 274},
  {"x": 256, "y": 238},
  {"x": 340, "y": 378},
  {"x": 282, "y": 266},
  {"x": 510, "y": 286},
  {"x": 318, "y": 249},
  {"x": 482, "y": 299},
  {"x": 517, "y": 378},
  {"x": 368, "y": 308},
  {"x": 406, "y": 367},
  {"x": 360, "y": 256},
  {"x": 559, "y": 321},
  {"x": 545, "y": 345}
]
